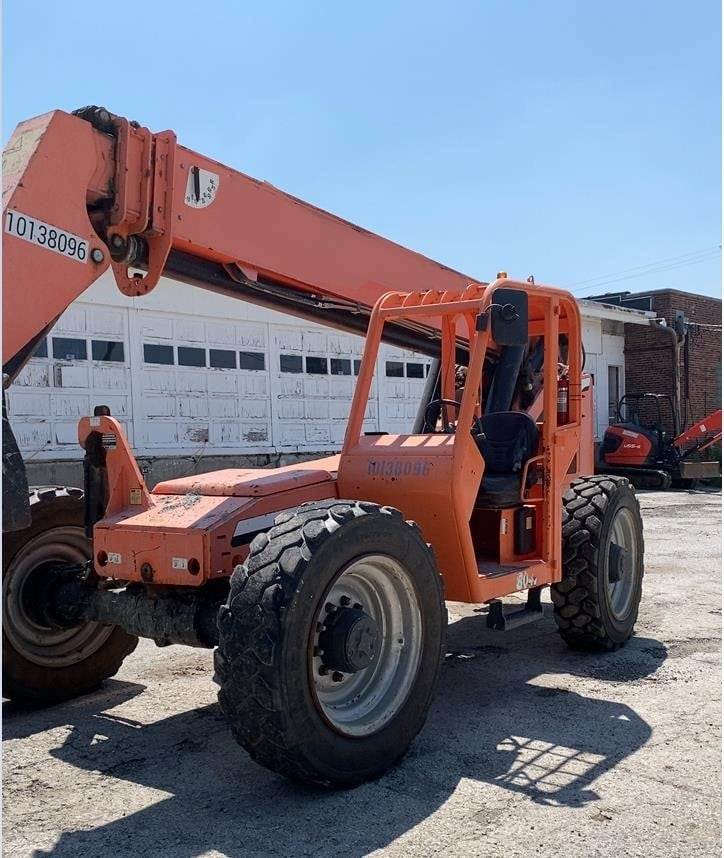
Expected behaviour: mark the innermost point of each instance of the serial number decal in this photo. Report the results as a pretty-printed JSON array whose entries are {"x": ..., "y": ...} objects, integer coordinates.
[
  {"x": 45, "y": 235},
  {"x": 524, "y": 581},
  {"x": 398, "y": 468}
]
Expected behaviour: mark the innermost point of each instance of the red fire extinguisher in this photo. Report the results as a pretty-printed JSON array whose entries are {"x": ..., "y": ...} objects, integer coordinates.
[{"x": 562, "y": 405}]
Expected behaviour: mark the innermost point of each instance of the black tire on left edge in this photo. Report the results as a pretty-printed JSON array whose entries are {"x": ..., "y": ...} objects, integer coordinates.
[
  {"x": 268, "y": 663},
  {"x": 591, "y": 606},
  {"x": 43, "y": 665}
]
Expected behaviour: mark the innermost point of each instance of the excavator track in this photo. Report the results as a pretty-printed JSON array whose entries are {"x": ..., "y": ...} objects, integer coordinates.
[{"x": 652, "y": 479}]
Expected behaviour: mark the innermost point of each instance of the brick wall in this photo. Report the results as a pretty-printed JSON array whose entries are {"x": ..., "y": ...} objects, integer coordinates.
[{"x": 649, "y": 355}]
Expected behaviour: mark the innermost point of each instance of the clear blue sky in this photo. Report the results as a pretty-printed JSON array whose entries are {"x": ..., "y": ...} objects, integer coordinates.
[{"x": 573, "y": 140}]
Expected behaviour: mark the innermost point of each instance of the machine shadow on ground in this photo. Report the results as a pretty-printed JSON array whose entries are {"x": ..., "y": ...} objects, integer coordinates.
[{"x": 501, "y": 716}]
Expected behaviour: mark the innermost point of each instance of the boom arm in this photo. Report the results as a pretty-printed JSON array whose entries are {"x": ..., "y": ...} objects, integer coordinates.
[
  {"x": 87, "y": 190},
  {"x": 701, "y": 435},
  {"x": 91, "y": 189}
]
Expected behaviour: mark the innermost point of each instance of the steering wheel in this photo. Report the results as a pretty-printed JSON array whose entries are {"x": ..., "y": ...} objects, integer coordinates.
[
  {"x": 439, "y": 406},
  {"x": 435, "y": 407}
]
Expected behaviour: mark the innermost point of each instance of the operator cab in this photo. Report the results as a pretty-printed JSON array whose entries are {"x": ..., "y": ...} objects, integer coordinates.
[
  {"x": 492, "y": 435},
  {"x": 506, "y": 438},
  {"x": 506, "y": 441}
]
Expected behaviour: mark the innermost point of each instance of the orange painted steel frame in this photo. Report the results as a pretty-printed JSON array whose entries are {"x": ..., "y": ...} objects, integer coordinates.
[
  {"x": 434, "y": 478},
  {"x": 182, "y": 532}
]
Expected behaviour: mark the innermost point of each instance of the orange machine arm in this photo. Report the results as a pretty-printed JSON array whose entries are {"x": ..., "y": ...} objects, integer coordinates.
[
  {"x": 701, "y": 435},
  {"x": 87, "y": 190}
]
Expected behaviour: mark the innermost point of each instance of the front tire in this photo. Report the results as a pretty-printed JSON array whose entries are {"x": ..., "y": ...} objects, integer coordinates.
[
  {"x": 331, "y": 642},
  {"x": 42, "y": 665},
  {"x": 596, "y": 604}
]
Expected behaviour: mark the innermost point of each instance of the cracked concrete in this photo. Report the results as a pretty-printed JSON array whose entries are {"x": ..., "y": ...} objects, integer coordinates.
[{"x": 529, "y": 749}]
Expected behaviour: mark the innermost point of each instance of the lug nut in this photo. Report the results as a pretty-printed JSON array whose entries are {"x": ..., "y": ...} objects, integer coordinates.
[
  {"x": 323, "y": 670},
  {"x": 317, "y": 651},
  {"x": 357, "y": 606},
  {"x": 344, "y": 601},
  {"x": 337, "y": 676},
  {"x": 330, "y": 608}
]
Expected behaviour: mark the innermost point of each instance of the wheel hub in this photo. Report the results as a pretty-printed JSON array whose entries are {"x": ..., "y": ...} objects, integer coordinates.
[
  {"x": 616, "y": 562},
  {"x": 40, "y": 639},
  {"x": 350, "y": 641},
  {"x": 366, "y": 645},
  {"x": 620, "y": 562}
]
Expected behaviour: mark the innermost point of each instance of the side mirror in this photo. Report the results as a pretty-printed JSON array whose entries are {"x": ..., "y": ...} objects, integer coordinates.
[{"x": 509, "y": 315}]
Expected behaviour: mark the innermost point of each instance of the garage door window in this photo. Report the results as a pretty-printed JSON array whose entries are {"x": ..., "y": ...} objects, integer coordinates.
[
  {"x": 66, "y": 348},
  {"x": 222, "y": 359},
  {"x": 154, "y": 353},
  {"x": 188, "y": 356},
  {"x": 317, "y": 366},
  {"x": 341, "y": 366},
  {"x": 290, "y": 363},
  {"x": 256, "y": 361},
  {"x": 107, "y": 350},
  {"x": 41, "y": 350}
]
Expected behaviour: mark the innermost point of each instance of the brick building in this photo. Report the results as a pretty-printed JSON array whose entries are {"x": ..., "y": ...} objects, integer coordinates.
[{"x": 693, "y": 328}]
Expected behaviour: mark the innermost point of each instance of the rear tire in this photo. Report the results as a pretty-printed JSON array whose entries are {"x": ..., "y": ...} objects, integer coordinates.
[
  {"x": 40, "y": 664},
  {"x": 331, "y": 725},
  {"x": 596, "y": 604}
]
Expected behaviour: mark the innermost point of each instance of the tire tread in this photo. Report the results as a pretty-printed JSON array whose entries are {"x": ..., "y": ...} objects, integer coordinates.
[
  {"x": 576, "y": 598},
  {"x": 47, "y": 504},
  {"x": 251, "y": 628}
]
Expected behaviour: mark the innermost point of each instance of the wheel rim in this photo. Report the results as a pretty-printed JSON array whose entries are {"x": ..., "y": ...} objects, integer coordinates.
[
  {"x": 621, "y": 562},
  {"x": 26, "y": 632},
  {"x": 362, "y": 702}
]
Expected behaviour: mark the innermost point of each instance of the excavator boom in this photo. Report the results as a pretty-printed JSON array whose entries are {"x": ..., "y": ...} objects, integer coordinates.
[{"x": 700, "y": 435}]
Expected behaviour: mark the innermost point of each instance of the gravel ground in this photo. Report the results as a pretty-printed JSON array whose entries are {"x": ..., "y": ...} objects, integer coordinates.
[{"x": 529, "y": 749}]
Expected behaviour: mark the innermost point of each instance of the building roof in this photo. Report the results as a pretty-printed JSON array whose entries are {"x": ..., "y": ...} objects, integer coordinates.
[
  {"x": 630, "y": 297},
  {"x": 598, "y": 309}
]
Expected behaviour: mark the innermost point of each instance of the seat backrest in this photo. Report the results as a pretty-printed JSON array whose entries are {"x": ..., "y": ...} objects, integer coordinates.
[{"x": 507, "y": 441}]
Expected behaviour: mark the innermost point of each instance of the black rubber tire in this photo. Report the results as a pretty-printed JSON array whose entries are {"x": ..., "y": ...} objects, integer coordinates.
[
  {"x": 581, "y": 605},
  {"x": 262, "y": 662},
  {"x": 53, "y": 508}
]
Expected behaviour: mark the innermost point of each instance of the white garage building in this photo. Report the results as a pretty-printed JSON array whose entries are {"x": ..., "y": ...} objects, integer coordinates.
[{"x": 197, "y": 377}]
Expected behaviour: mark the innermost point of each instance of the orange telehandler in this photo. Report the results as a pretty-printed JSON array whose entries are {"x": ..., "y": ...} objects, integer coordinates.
[{"x": 320, "y": 584}]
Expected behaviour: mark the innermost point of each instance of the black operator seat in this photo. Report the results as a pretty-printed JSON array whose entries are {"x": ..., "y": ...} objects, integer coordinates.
[{"x": 506, "y": 441}]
